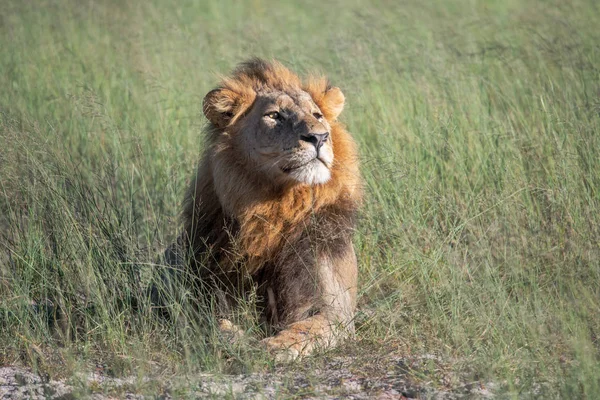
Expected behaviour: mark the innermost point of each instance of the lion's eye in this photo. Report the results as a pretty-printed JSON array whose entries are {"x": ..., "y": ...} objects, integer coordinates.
[
  {"x": 274, "y": 115},
  {"x": 318, "y": 116}
]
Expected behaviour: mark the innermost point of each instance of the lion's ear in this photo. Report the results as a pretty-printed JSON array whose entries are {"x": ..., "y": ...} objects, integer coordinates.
[
  {"x": 219, "y": 106},
  {"x": 334, "y": 102}
]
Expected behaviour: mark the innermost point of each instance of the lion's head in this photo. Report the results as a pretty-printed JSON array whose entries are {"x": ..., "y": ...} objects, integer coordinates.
[
  {"x": 280, "y": 127},
  {"x": 275, "y": 154}
]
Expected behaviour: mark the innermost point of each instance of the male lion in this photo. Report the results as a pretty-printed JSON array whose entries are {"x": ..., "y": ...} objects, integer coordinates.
[{"x": 273, "y": 204}]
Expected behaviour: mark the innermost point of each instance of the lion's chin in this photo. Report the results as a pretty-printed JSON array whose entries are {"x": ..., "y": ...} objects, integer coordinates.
[{"x": 313, "y": 173}]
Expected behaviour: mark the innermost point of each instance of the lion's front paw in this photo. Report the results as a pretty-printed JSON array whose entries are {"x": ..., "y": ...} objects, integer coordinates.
[
  {"x": 229, "y": 331},
  {"x": 279, "y": 350},
  {"x": 284, "y": 349}
]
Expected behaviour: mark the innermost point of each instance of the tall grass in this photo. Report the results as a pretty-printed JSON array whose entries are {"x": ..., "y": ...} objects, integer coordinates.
[{"x": 478, "y": 126}]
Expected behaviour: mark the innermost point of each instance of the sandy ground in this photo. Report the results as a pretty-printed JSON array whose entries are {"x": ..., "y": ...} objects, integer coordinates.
[{"x": 336, "y": 377}]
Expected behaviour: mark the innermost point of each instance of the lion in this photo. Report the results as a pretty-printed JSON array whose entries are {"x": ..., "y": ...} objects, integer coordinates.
[{"x": 273, "y": 204}]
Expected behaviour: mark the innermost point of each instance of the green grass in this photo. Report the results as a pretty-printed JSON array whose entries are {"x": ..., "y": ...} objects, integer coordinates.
[{"x": 479, "y": 129}]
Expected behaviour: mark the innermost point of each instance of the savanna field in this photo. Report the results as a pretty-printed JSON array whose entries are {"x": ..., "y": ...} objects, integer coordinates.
[{"x": 479, "y": 131}]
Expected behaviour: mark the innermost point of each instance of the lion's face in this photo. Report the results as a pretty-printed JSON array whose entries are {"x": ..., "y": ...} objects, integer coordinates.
[
  {"x": 280, "y": 130},
  {"x": 287, "y": 138}
]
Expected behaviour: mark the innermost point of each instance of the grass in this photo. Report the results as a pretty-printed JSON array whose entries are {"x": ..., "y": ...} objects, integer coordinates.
[{"x": 478, "y": 124}]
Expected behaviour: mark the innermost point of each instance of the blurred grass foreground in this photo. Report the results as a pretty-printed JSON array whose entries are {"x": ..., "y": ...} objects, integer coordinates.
[{"x": 479, "y": 129}]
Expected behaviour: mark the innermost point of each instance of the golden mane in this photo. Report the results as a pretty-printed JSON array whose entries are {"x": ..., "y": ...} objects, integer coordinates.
[{"x": 269, "y": 216}]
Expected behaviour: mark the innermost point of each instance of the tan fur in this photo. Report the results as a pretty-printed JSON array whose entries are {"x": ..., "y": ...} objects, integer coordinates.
[{"x": 247, "y": 224}]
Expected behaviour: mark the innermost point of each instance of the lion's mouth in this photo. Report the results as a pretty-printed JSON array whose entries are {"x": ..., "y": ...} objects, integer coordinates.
[{"x": 289, "y": 169}]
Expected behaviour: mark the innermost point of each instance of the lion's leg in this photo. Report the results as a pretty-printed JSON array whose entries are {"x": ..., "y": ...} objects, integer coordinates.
[{"x": 335, "y": 300}]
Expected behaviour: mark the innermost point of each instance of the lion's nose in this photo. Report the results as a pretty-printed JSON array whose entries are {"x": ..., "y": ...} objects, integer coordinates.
[{"x": 317, "y": 139}]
